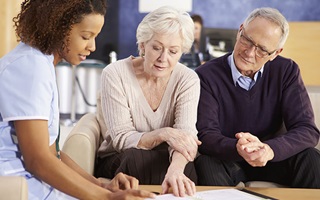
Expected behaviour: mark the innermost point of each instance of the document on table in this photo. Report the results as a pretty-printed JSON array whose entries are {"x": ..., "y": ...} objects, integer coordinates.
[{"x": 220, "y": 194}]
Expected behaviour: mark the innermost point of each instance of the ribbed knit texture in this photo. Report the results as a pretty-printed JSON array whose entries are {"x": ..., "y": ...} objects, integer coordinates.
[{"x": 125, "y": 113}]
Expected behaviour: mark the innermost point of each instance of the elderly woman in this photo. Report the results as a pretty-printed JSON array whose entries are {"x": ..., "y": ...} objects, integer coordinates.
[{"x": 149, "y": 107}]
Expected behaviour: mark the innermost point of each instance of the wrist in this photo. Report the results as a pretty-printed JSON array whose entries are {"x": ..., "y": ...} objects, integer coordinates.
[
  {"x": 163, "y": 134},
  {"x": 172, "y": 169}
]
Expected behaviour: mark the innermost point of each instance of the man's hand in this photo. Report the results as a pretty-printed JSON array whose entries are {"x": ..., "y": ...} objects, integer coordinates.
[{"x": 256, "y": 153}]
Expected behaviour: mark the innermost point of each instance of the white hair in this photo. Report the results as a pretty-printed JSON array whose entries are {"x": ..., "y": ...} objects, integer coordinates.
[
  {"x": 166, "y": 20},
  {"x": 274, "y": 16}
]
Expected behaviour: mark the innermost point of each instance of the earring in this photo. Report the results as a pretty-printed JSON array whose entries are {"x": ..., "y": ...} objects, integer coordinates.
[{"x": 142, "y": 54}]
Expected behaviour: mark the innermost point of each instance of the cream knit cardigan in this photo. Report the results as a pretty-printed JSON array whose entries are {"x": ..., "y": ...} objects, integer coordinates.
[{"x": 125, "y": 115}]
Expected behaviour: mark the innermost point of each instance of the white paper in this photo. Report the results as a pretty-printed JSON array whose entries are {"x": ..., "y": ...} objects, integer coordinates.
[{"x": 221, "y": 194}]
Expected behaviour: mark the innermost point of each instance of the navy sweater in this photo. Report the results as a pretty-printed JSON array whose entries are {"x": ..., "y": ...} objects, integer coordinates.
[{"x": 278, "y": 98}]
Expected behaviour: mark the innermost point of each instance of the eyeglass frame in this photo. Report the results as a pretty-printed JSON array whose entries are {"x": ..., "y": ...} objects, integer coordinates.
[{"x": 255, "y": 45}]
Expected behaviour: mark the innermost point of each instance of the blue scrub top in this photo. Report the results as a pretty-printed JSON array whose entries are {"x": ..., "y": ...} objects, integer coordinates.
[{"x": 28, "y": 91}]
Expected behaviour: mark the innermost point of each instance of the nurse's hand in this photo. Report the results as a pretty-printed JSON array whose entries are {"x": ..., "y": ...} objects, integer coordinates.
[{"x": 121, "y": 182}]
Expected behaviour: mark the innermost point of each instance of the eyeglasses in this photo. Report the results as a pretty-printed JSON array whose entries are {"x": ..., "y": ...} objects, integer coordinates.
[{"x": 248, "y": 43}]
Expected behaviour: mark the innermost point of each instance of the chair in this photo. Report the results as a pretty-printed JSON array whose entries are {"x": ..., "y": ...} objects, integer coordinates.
[
  {"x": 13, "y": 187},
  {"x": 83, "y": 141}
]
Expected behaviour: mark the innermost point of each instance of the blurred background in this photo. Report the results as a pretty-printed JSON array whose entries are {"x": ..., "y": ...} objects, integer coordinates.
[
  {"x": 221, "y": 19},
  {"x": 123, "y": 17}
]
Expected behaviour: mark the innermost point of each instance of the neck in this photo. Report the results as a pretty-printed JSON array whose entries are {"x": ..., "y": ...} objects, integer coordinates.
[{"x": 57, "y": 58}]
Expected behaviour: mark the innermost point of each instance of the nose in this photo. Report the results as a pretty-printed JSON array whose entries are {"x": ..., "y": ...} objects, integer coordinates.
[
  {"x": 92, "y": 45},
  {"x": 163, "y": 56},
  {"x": 251, "y": 50}
]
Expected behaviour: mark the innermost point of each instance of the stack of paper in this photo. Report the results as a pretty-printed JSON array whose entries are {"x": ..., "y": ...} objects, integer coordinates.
[{"x": 221, "y": 194}]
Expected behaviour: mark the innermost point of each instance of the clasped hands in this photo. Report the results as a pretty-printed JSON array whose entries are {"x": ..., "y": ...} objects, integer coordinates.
[{"x": 254, "y": 152}]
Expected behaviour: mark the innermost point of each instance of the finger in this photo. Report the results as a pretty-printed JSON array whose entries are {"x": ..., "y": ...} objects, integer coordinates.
[
  {"x": 165, "y": 187},
  {"x": 124, "y": 181},
  {"x": 249, "y": 137},
  {"x": 251, "y": 149},
  {"x": 198, "y": 142},
  {"x": 134, "y": 183},
  {"x": 242, "y": 141},
  {"x": 143, "y": 193},
  {"x": 238, "y": 135},
  {"x": 186, "y": 154},
  {"x": 175, "y": 189},
  {"x": 181, "y": 188},
  {"x": 133, "y": 194},
  {"x": 190, "y": 187},
  {"x": 252, "y": 145},
  {"x": 256, "y": 156}
]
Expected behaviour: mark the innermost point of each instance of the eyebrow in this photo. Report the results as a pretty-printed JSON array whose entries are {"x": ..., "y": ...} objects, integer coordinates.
[
  {"x": 259, "y": 45},
  {"x": 176, "y": 46}
]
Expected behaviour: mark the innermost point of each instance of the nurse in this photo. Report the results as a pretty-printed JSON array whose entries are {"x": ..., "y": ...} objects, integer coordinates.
[{"x": 49, "y": 31}]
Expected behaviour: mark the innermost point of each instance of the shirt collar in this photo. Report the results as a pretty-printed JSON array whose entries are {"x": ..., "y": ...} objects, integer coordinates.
[{"x": 236, "y": 74}]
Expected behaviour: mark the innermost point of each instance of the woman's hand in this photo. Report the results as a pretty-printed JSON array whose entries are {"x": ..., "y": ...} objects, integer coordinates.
[
  {"x": 183, "y": 142},
  {"x": 180, "y": 184},
  {"x": 175, "y": 178},
  {"x": 121, "y": 182}
]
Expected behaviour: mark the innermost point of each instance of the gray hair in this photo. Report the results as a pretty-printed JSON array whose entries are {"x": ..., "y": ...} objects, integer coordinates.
[
  {"x": 274, "y": 16},
  {"x": 166, "y": 20}
]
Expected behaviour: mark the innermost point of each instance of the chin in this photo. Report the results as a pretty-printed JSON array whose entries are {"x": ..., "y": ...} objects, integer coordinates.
[{"x": 73, "y": 62}]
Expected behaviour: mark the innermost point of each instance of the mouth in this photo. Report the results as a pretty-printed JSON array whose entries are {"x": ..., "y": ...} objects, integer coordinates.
[
  {"x": 159, "y": 68},
  {"x": 82, "y": 57},
  {"x": 246, "y": 60}
]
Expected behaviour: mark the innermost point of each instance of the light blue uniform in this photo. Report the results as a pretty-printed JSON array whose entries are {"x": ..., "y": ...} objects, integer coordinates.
[{"x": 28, "y": 91}]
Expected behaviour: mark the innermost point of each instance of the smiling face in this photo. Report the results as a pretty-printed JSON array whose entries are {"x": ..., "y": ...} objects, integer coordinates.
[
  {"x": 162, "y": 53},
  {"x": 82, "y": 39},
  {"x": 266, "y": 36}
]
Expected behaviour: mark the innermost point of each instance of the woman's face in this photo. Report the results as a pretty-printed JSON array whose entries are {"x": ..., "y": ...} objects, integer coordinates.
[
  {"x": 197, "y": 31},
  {"x": 162, "y": 53},
  {"x": 82, "y": 38}
]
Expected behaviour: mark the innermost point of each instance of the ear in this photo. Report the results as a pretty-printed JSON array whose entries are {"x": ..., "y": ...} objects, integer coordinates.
[
  {"x": 276, "y": 54},
  {"x": 142, "y": 46},
  {"x": 240, "y": 28},
  {"x": 141, "y": 49}
]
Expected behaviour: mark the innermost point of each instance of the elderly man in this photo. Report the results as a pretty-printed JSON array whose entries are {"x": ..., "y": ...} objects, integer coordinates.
[{"x": 255, "y": 118}]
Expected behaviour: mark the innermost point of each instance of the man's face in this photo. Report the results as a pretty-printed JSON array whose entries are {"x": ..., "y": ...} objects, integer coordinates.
[{"x": 257, "y": 43}]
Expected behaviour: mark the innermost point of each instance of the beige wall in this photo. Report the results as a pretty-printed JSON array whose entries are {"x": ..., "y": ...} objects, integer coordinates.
[
  {"x": 8, "y": 9},
  {"x": 303, "y": 46}
]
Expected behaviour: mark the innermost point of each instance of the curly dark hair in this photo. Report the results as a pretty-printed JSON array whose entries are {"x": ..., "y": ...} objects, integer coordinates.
[{"x": 46, "y": 24}]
